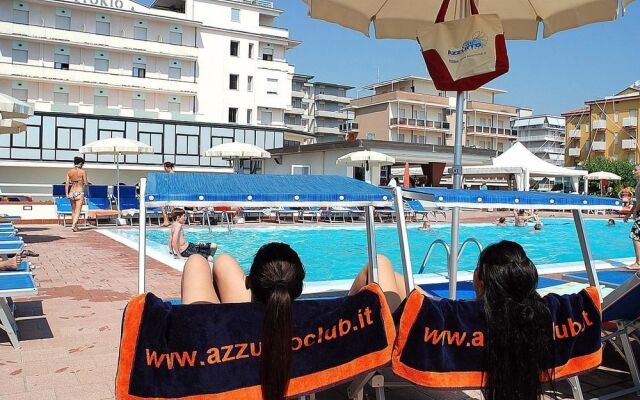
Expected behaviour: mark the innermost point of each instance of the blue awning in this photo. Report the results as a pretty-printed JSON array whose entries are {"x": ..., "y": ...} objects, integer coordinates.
[
  {"x": 193, "y": 189},
  {"x": 511, "y": 200}
]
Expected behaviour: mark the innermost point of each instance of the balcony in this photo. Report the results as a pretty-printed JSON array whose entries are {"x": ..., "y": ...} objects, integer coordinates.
[
  {"x": 574, "y": 133},
  {"x": 90, "y": 78},
  {"x": 259, "y": 3},
  {"x": 349, "y": 127},
  {"x": 326, "y": 130},
  {"x": 599, "y": 125},
  {"x": 64, "y": 108},
  {"x": 110, "y": 111},
  {"x": 629, "y": 144},
  {"x": 145, "y": 114},
  {"x": 296, "y": 126},
  {"x": 297, "y": 93},
  {"x": 630, "y": 122},
  {"x": 295, "y": 110},
  {"x": 332, "y": 114},
  {"x": 333, "y": 98},
  {"x": 490, "y": 108},
  {"x": 489, "y": 131},
  {"x": 599, "y": 146},
  {"x": 418, "y": 123},
  {"x": 574, "y": 152},
  {"x": 98, "y": 42}
]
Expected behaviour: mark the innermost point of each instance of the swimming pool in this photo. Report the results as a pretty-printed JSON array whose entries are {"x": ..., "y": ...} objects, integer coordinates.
[{"x": 338, "y": 252}]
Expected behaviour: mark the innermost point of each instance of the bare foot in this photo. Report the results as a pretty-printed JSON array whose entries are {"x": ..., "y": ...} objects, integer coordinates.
[
  {"x": 634, "y": 267},
  {"x": 75, "y": 229},
  {"x": 165, "y": 224}
]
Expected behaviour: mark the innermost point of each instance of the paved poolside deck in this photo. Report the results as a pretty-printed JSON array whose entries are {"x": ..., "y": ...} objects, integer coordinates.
[{"x": 70, "y": 331}]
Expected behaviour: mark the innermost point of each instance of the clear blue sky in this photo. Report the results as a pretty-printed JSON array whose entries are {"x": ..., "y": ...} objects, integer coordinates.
[{"x": 550, "y": 75}]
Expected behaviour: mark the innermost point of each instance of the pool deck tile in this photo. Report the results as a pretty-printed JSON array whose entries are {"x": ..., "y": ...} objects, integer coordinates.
[{"x": 70, "y": 331}]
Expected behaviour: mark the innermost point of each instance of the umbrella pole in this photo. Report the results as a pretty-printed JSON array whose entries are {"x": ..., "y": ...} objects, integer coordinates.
[
  {"x": 118, "y": 189},
  {"x": 367, "y": 172},
  {"x": 457, "y": 184}
]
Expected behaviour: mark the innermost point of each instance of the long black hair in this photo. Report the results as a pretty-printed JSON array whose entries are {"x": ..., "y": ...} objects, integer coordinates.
[
  {"x": 519, "y": 342},
  {"x": 276, "y": 280}
]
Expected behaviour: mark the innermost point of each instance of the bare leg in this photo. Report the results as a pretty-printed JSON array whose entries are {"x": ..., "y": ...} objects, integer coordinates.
[
  {"x": 76, "y": 205},
  {"x": 197, "y": 284},
  {"x": 391, "y": 282},
  {"x": 636, "y": 264},
  {"x": 230, "y": 280},
  {"x": 165, "y": 217}
]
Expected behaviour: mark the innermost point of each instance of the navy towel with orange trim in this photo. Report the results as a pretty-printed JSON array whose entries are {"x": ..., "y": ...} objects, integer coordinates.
[
  {"x": 440, "y": 342},
  {"x": 211, "y": 351}
]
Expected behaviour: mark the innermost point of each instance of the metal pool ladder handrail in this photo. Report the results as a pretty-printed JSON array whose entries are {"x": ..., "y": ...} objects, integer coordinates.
[{"x": 447, "y": 249}]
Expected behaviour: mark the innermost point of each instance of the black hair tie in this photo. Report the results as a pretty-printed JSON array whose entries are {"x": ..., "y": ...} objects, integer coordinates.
[{"x": 527, "y": 313}]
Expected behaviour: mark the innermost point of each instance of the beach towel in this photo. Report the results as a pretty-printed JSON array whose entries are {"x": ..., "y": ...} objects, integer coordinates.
[
  {"x": 211, "y": 351},
  {"x": 440, "y": 342}
]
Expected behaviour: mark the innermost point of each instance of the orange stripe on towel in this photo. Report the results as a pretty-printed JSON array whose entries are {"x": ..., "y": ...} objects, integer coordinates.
[{"x": 130, "y": 330}]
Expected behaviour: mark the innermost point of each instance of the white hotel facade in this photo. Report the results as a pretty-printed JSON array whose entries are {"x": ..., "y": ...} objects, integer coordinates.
[{"x": 180, "y": 75}]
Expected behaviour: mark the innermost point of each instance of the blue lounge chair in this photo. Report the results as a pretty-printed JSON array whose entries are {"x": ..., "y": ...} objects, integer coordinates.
[
  {"x": 63, "y": 205},
  {"x": 13, "y": 285},
  {"x": 99, "y": 204},
  {"x": 11, "y": 248},
  {"x": 611, "y": 279}
]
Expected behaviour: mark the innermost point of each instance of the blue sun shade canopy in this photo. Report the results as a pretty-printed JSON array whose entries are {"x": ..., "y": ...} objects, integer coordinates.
[
  {"x": 510, "y": 200},
  {"x": 193, "y": 189}
]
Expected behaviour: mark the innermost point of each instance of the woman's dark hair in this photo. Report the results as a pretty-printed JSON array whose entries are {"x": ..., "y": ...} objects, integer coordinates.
[
  {"x": 276, "y": 279},
  {"x": 78, "y": 160},
  {"x": 519, "y": 342}
]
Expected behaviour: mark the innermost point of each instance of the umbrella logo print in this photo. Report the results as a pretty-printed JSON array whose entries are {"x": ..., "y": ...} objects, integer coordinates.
[{"x": 477, "y": 41}]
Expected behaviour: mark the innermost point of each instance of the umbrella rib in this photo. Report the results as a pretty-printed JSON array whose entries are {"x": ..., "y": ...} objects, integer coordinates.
[{"x": 380, "y": 9}]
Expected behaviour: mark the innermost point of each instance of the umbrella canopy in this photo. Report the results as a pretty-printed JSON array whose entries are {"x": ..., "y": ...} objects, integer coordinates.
[
  {"x": 10, "y": 107},
  {"x": 358, "y": 158},
  {"x": 600, "y": 175},
  {"x": 405, "y": 19},
  {"x": 116, "y": 146},
  {"x": 9, "y": 126},
  {"x": 237, "y": 150}
]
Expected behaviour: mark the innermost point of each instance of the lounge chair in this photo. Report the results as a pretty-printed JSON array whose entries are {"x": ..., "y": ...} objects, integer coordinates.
[
  {"x": 11, "y": 248},
  {"x": 99, "y": 204},
  {"x": 287, "y": 212},
  {"x": 333, "y": 214},
  {"x": 13, "y": 285},
  {"x": 313, "y": 213},
  {"x": 63, "y": 205}
]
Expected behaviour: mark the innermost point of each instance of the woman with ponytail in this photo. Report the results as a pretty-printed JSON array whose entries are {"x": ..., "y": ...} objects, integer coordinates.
[{"x": 519, "y": 341}]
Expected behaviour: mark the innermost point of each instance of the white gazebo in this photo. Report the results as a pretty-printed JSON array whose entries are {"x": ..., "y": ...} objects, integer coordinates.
[{"x": 522, "y": 163}]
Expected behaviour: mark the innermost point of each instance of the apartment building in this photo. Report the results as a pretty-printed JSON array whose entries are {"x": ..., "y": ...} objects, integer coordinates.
[
  {"x": 412, "y": 110},
  {"x": 543, "y": 135},
  {"x": 318, "y": 108},
  {"x": 606, "y": 127},
  {"x": 180, "y": 75}
]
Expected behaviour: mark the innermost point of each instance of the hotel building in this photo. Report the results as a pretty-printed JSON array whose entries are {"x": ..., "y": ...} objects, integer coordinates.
[
  {"x": 543, "y": 135},
  {"x": 606, "y": 127},
  {"x": 179, "y": 75},
  {"x": 412, "y": 110}
]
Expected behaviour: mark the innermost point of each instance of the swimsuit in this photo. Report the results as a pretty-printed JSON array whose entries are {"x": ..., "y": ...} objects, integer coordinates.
[
  {"x": 204, "y": 249},
  {"x": 75, "y": 195}
]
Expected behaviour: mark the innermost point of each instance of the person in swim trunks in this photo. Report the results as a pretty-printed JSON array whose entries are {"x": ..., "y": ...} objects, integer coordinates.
[
  {"x": 635, "y": 229},
  {"x": 74, "y": 184},
  {"x": 178, "y": 241}
]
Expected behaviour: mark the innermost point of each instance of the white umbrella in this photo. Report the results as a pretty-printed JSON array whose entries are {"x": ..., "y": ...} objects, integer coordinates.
[
  {"x": 406, "y": 19},
  {"x": 11, "y": 107},
  {"x": 116, "y": 146},
  {"x": 600, "y": 175},
  {"x": 11, "y": 126},
  {"x": 366, "y": 159},
  {"x": 236, "y": 151}
]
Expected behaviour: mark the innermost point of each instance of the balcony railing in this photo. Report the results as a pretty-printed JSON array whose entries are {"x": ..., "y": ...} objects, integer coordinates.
[
  {"x": 349, "y": 127},
  {"x": 574, "y": 133},
  {"x": 259, "y": 3},
  {"x": 295, "y": 110},
  {"x": 574, "y": 152},
  {"x": 323, "y": 129},
  {"x": 598, "y": 146},
  {"x": 333, "y": 98},
  {"x": 419, "y": 123},
  {"x": 630, "y": 122},
  {"x": 332, "y": 114},
  {"x": 599, "y": 124},
  {"x": 474, "y": 129},
  {"x": 629, "y": 144}
]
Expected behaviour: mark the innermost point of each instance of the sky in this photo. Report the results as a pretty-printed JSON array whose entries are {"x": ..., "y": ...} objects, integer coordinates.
[{"x": 550, "y": 75}]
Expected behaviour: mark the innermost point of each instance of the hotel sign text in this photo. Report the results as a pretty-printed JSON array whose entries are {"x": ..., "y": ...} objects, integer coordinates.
[{"x": 117, "y": 4}]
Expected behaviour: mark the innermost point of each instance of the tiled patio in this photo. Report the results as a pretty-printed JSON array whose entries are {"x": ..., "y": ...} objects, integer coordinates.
[{"x": 70, "y": 331}]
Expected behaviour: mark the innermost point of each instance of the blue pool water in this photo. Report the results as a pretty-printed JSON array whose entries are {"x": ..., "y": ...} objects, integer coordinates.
[{"x": 334, "y": 252}]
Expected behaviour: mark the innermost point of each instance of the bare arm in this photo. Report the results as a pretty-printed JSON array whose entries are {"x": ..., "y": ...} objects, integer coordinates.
[
  {"x": 175, "y": 240},
  {"x": 66, "y": 185}
]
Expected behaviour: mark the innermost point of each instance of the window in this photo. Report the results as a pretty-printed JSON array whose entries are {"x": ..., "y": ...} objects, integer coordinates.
[
  {"x": 249, "y": 116},
  {"x": 633, "y": 113},
  {"x": 63, "y": 22},
  {"x": 139, "y": 70},
  {"x": 175, "y": 38},
  {"x": 233, "y": 82},
  {"x": 250, "y": 50},
  {"x": 401, "y": 137},
  {"x": 187, "y": 145},
  {"x": 174, "y": 106},
  {"x": 20, "y": 56},
  {"x": 616, "y": 116},
  {"x": 101, "y": 65},
  {"x": 267, "y": 54},
  {"x": 61, "y": 61},
  {"x": 300, "y": 170},
  {"x": 61, "y": 98},
  {"x": 175, "y": 72},
  {"x": 103, "y": 28},
  {"x": 272, "y": 86},
  {"x": 233, "y": 115},
  {"x": 20, "y": 94},
  {"x": 140, "y": 32},
  {"x": 20, "y": 13},
  {"x": 235, "y": 15},
  {"x": 266, "y": 117},
  {"x": 234, "y": 48},
  {"x": 137, "y": 104},
  {"x": 69, "y": 138},
  {"x": 100, "y": 101},
  {"x": 249, "y": 83},
  {"x": 371, "y": 136}
]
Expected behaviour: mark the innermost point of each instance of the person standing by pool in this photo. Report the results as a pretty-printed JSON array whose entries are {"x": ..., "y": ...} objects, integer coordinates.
[
  {"x": 169, "y": 167},
  {"x": 74, "y": 184},
  {"x": 178, "y": 240},
  {"x": 634, "y": 235},
  {"x": 625, "y": 195}
]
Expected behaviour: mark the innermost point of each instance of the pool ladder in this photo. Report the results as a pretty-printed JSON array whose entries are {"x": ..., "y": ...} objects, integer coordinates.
[{"x": 447, "y": 249}]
